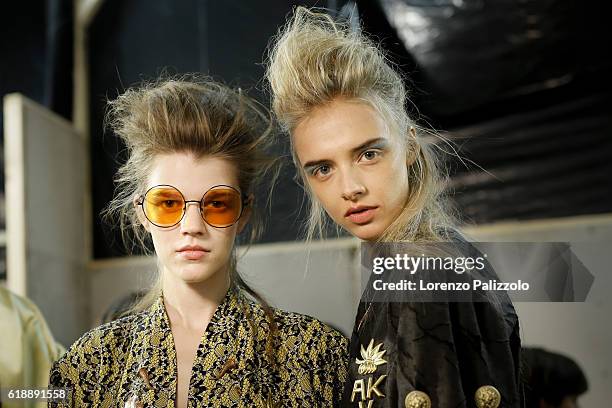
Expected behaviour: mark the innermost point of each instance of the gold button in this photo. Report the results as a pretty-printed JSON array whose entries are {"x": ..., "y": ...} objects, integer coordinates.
[
  {"x": 487, "y": 396},
  {"x": 417, "y": 399}
]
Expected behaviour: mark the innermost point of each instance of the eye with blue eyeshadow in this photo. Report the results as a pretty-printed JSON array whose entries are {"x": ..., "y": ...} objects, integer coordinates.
[
  {"x": 370, "y": 154},
  {"x": 321, "y": 170},
  {"x": 373, "y": 151}
]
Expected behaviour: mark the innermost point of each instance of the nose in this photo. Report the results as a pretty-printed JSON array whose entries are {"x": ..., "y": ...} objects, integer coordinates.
[
  {"x": 192, "y": 222},
  {"x": 352, "y": 185}
]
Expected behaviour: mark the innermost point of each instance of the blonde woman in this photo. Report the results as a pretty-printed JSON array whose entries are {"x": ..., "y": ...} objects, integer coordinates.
[
  {"x": 195, "y": 155},
  {"x": 365, "y": 165}
]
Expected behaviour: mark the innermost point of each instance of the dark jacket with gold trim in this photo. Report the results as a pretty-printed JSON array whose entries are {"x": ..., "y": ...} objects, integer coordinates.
[
  {"x": 133, "y": 360},
  {"x": 435, "y": 354}
]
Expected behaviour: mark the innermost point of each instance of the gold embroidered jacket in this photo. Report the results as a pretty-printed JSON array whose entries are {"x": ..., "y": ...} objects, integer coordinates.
[{"x": 133, "y": 359}]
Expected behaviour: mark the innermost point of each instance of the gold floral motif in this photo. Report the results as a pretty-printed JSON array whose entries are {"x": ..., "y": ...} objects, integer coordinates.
[
  {"x": 372, "y": 357},
  {"x": 487, "y": 396},
  {"x": 270, "y": 403},
  {"x": 234, "y": 393},
  {"x": 417, "y": 399}
]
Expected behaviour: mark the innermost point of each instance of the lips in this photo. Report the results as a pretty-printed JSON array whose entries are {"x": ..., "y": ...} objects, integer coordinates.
[
  {"x": 361, "y": 214},
  {"x": 192, "y": 252}
]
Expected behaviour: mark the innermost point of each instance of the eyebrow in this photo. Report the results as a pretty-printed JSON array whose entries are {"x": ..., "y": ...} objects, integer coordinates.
[
  {"x": 377, "y": 142},
  {"x": 166, "y": 193}
]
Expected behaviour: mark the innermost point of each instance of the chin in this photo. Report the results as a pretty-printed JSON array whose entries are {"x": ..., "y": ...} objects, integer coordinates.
[
  {"x": 367, "y": 232},
  {"x": 191, "y": 274}
]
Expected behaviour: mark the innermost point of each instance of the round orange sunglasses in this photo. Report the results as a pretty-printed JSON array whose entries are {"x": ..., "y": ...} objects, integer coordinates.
[{"x": 165, "y": 206}]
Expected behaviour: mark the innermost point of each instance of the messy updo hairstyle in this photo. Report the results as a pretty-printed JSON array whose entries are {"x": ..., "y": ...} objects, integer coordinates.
[
  {"x": 315, "y": 60},
  {"x": 195, "y": 115}
]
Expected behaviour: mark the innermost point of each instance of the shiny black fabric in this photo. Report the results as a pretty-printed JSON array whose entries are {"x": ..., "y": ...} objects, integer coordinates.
[{"x": 447, "y": 350}]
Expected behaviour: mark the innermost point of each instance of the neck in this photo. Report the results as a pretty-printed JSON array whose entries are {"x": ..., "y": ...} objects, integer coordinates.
[{"x": 193, "y": 304}]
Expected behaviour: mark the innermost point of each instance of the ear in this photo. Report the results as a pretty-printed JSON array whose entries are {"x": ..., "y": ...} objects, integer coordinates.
[
  {"x": 413, "y": 132},
  {"x": 140, "y": 213},
  {"x": 413, "y": 148},
  {"x": 246, "y": 213}
]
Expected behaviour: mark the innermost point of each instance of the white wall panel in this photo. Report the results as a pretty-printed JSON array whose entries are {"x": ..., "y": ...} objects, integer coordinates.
[{"x": 45, "y": 172}]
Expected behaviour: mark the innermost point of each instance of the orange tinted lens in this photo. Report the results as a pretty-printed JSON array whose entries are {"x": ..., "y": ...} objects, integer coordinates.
[
  {"x": 221, "y": 206},
  {"x": 163, "y": 206}
]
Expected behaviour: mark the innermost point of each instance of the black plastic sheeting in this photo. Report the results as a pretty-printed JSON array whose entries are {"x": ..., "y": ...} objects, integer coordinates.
[
  {"x": 471, "y": 52},
  {"x": 522, "y": 90},
  {"x": 552, "y": 162}
]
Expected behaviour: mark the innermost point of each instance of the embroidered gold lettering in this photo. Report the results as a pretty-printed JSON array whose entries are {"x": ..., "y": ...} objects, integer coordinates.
[
  {"x": 373, "y": 388},
  {"x": 358, "y": 387},
  {"x": 370, "y": 402}
]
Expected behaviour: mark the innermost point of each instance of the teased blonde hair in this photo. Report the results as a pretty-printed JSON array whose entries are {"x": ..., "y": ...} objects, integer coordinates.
[{"x": 315, "y": 60}]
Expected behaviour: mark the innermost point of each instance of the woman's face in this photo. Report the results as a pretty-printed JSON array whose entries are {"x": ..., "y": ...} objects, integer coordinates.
[
  {"x": 355, "y": 168},
  {"x": 193, "y": 251}
]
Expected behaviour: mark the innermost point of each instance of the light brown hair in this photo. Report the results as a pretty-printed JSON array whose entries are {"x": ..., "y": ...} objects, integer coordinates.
[{"x": 188, "y": 114}]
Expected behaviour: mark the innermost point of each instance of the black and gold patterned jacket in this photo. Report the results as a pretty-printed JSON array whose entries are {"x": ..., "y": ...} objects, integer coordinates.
[{"x": 133, "y": 360}]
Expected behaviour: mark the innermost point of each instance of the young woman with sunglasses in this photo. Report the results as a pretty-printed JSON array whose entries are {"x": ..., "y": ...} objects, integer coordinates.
[
  {"x": 363, "y": 163},
  {"x": 195, "y": 155}
]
